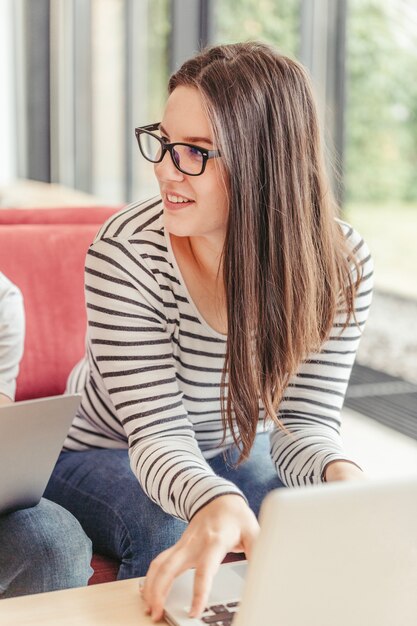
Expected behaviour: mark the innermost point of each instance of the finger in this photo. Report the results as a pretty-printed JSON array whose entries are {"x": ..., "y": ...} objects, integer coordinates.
[
  {"x": 203, "y": 579},
  {"x": 156, "y": 564},
  {"x": 159, "y": 579},
  {"x": 151, "y": 576},
  {"x": 145, "y": 608},
  {"x": 147, "y": 585}
]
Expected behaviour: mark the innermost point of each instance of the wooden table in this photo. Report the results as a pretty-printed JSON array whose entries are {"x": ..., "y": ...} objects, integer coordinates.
[{"x": 109, "y": 604}]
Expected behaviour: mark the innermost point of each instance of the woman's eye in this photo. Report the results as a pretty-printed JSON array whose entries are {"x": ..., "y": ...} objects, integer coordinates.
[{"x": 194, "y": 152}]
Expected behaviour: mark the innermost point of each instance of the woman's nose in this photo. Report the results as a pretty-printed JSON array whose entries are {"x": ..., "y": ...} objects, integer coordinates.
[{"x": 166, "y": 170}]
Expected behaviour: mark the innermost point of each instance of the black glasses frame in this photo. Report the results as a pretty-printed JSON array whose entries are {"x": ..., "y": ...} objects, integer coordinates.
[{"x": 170, "y": 147}]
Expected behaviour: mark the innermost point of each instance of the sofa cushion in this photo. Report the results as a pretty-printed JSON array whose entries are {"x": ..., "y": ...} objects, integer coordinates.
[
  {"x": 43, "y": 252},
  {"x": 105, "y": 569},
  {"x": 65, "y": 215},
  {"x": 46, "y": 263}
]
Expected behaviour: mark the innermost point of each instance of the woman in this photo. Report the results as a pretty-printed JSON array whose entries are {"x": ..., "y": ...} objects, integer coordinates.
[{"x": 223, "y": 316}]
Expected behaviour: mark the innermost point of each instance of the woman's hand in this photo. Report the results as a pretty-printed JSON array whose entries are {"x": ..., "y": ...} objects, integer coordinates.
[{"x": 224, "y": 525}]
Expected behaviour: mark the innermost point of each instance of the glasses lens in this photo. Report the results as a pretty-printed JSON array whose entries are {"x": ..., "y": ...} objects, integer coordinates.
[
  {"x": 176, "y": 157},
  {"x": 189, "y": 159},
  {"x": 150, "y": 146}
]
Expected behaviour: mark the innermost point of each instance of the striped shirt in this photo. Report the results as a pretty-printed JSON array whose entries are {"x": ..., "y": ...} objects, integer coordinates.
[{"x": 151, "y": 378}]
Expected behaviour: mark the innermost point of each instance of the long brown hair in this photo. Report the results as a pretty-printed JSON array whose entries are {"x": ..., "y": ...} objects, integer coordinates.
[{"x": 286, "y": 268}]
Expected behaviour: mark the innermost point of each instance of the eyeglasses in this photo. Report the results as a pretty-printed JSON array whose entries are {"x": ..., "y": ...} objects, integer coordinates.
[{"x": 186, "y": 157}]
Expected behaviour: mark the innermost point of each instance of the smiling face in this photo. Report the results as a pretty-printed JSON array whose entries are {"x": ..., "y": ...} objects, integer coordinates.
[{"x": 194, "y": 206}]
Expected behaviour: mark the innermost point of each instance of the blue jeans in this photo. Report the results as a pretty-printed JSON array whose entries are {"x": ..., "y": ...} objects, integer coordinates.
[
  {"x": 42, "y": 548},
  {"x": 100, "y": 489}
]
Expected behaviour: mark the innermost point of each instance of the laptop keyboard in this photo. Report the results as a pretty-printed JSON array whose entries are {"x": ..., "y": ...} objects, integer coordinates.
[{"x": 220, "y": 614}]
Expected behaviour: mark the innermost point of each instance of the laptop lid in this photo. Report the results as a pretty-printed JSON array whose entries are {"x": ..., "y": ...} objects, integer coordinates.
[
  {"x": 342, "y": 553},
  {"x": 338, "y": 554},
  {"x": 31, "y": 437}
]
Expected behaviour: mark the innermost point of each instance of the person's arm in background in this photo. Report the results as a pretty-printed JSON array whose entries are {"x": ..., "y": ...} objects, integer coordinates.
[{"x": 12, "y": 331}]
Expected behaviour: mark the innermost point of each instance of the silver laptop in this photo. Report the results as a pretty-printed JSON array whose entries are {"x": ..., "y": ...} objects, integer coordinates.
[
  {"x": 341, "y": 554},
  {"x": 31, "y": 437}
]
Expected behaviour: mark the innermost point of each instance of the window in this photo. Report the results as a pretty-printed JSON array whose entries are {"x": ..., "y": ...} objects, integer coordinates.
[
  {"x": 381, "y": 137},
  {"x": 274, "y": 22}
]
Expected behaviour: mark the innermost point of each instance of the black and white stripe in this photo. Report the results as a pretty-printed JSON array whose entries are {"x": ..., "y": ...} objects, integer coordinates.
[{"x": 151, "y": 378}]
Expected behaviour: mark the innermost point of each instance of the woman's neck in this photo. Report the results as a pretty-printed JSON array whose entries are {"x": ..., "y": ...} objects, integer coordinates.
[
  {"x": 207, "y": 255},
  {"x": 200, "y": 264}
]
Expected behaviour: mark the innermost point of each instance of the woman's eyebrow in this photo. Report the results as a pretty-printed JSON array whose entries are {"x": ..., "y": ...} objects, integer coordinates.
[
  {"x": 188, "y": 139},
  {"x": 162, "y": 130}
]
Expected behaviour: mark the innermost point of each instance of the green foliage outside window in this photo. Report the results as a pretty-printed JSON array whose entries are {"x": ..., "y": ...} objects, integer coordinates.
[
  {"x": 274, "y": 22},
  {"x": 381, "y": 62},
  {"x": 159, "y": 27},
  {"x": 381, "y": 112}
]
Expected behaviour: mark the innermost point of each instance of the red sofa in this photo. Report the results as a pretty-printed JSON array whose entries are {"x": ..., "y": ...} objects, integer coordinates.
[{"x": 42, "y": 251}]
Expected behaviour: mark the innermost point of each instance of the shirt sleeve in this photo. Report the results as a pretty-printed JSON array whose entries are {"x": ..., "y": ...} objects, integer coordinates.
[
  {"x": 78, "y": 376},
  {"x": 12, "y": 330},
  {"x": 311, "y": 407},
  {"x": 131, "y": 349}
]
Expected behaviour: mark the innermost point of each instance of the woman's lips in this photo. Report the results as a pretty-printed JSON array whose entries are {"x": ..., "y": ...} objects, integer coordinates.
[{"x": 175, "y": 206}]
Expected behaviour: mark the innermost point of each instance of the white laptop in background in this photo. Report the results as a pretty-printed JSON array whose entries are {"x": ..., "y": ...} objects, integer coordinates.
[
  {"x": 31, "y": 437},
  {"x": 340, "y": 554}
]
